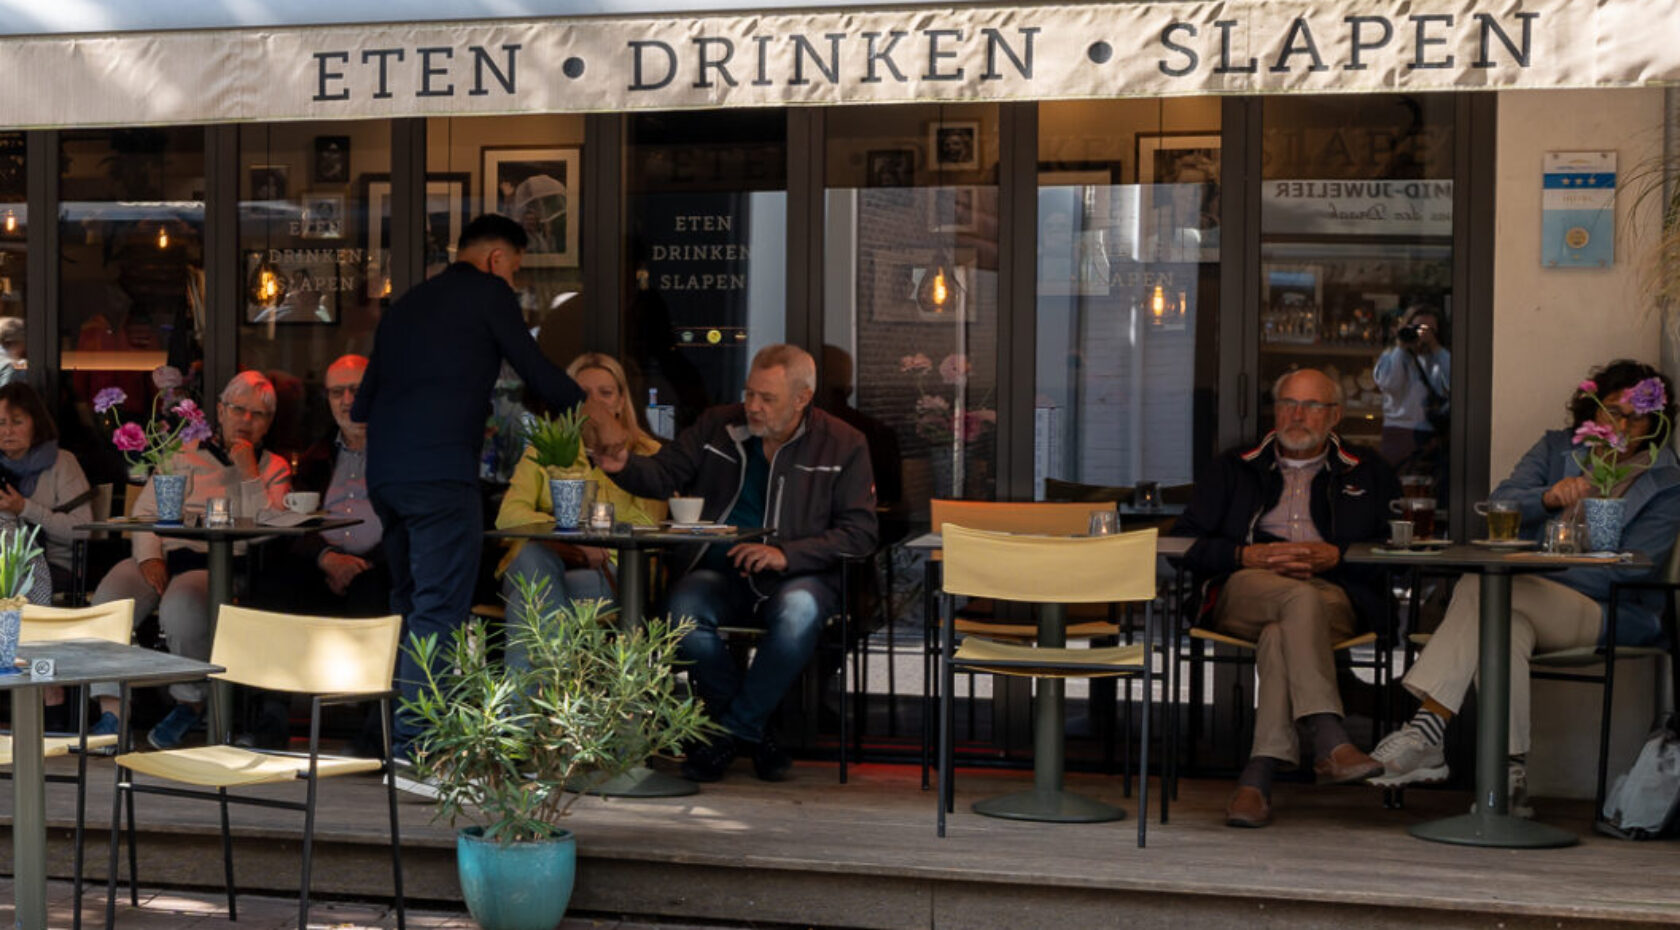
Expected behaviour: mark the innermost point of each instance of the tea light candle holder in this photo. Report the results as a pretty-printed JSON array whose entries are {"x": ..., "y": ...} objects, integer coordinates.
[{"x": 601, "y": 516}]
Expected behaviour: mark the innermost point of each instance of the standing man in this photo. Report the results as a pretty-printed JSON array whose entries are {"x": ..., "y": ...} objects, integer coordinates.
[
  {"x": 1271, "y": 523},
  {"x": 775, "y": 462},
  {"x": 424, "y": 398}
]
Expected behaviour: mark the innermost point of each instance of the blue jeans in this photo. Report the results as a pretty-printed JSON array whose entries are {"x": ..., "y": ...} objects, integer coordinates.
[
  {"x": 791, "y": 615},
  {"x": 536, "y": 561},
  {"x": 433, "y": 534}
]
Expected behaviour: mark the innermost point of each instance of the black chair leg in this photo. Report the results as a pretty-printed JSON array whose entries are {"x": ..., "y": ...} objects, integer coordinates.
[
  {"x": 227, "y": 856},
  {"x": 81, "y": 811},
  {"x": 133, "y": 849}
]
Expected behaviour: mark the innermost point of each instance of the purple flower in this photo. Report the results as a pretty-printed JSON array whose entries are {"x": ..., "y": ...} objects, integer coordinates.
[
  {"x": 167, "y": 378},
  {"x": 1647, "y": 396},
  {"x": 188, "y": 410},
  {"x": 129, "y": 437},
  {"x": 196, "y": 429},
  {"x": 1589, "y": 385},
  {"x": 108, "y": 398}
]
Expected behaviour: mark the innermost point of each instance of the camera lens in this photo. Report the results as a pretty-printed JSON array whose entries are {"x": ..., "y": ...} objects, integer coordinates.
[{"x": 1408, "y": 333}]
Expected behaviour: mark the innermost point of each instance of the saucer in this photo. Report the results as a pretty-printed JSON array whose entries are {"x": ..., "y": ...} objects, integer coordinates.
[
  {"x": 1415, "y": 550},
  {"x": 1504, "y": 543},
  {"x": 1416, "y": 544}
]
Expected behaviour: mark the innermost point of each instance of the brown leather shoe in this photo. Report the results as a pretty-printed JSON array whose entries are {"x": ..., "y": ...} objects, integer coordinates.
[
  {"x": 1247, "y": 808},
  {"x": 1346, "y": 765}
]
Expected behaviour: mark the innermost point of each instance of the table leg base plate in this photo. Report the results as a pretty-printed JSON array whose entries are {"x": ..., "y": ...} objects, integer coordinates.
[
  {"x": 1494, "y": 830},
  {"x": 642, "y": 782},
  {"x": 1049, "y": 807}
]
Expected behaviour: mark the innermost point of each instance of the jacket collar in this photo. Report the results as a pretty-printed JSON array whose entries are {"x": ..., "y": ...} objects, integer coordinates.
[{"x": 1265, "y": 452}]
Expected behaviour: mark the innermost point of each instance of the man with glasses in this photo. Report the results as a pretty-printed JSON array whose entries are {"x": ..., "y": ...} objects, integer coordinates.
[
  {"x": 773, "y": 461},
  {"x": 170, "y": 575},
  {"x": 1271, "y": 522}
]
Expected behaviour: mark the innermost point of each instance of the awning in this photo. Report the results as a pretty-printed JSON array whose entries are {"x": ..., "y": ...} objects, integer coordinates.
[{"x": 859, "y": 56}]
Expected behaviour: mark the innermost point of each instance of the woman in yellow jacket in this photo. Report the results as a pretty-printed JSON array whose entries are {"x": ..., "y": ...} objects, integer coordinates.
[{"x": 574, "y": 572}]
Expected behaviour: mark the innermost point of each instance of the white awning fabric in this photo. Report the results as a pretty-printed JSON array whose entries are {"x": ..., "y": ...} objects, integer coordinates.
[{"x": 860, "y": 56}]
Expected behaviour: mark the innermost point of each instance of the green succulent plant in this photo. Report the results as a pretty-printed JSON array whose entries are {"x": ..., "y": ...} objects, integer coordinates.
[
  {"x": 558, "y": 443},
  {"x": 502, "y": 741},
  {"x": 18, "y": 551}
]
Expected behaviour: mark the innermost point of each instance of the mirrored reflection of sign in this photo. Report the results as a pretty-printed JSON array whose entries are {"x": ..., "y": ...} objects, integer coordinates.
[
  {"x": 1357, "y": 207},
  {"x": 1578, "y": 210},
  {"x": 300, "y": 285}
]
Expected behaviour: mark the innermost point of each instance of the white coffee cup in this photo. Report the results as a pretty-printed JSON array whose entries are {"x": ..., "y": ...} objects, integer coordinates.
[
  {"x": 303, "y": 501},
  {"x": 687, "y": 509}
]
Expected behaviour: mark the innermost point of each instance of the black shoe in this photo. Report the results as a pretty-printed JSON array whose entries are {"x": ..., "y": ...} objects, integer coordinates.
[
  {"x": 770, "y": 763},
  {"x": 709, "y": 761}
]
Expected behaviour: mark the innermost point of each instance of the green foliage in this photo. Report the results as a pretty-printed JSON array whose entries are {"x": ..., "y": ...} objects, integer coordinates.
[
  {"x": 17, "y": 551},
  {"x": 501, "y": 742},
  {"x": 558, "y": 442}
]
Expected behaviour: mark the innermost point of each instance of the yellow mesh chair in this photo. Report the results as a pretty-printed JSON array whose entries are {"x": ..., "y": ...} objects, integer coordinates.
[
  {"x": 113, "y": 622},
  {"x": 1049, "y": 571},
  {"x": 334, "y": 661}
]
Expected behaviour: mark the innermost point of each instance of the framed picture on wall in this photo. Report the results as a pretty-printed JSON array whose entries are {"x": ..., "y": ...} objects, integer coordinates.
[
  {"x": 1180, "y": 178},
  {"x": 270, "y": 182},
  {"x": 332, "y": 159},
  {"x": 954, "y": 146},
  {"x": 322, "y": 217},
  {"x": 955, "y": 209},
  {"x": 537, "y": 188},
  {"x": 303, "y": 286},
  {"x": 890, "y": 168},
  {"x": 446, "y": 216}
]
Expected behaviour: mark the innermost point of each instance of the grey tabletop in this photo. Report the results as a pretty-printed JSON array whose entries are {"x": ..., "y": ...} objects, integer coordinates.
[
  {"x": 83, "y": 661},
  {"x": 638, "y": 537},
  {"x": 1485, "y": 558},
  {"x": 242, "y": 528}
]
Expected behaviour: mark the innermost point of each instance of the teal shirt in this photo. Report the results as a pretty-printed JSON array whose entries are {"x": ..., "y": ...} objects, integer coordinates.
[{"x": 749, "y": 505}]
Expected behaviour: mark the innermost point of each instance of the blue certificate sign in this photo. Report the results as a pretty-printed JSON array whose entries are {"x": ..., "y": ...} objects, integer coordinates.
[{"x": 1578, "y": 210}]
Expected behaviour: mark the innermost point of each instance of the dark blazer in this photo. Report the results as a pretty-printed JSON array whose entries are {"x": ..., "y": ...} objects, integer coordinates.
[
  {"x": 437, "y": 352},
  {"x": 1350, "y": 498}
]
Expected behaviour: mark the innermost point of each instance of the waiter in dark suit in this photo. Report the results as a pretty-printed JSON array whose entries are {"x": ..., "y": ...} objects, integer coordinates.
[{"x": 425, "y": 398}]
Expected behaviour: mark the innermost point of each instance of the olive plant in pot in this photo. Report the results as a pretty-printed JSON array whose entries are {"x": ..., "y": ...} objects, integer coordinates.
[
  {"x": 18, "y": 553},
  {"x": 557, "y": 443},
  {"x": 501, "y": 741}
]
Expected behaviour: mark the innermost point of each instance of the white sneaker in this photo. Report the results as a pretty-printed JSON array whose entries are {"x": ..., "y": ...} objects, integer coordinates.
[
  {"x": 1409, "y": 759},
  {"x": 1516, "y": 782}
]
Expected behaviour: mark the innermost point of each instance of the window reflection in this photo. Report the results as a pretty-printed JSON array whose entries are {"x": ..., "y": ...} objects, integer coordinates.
[{"x": 14, "y": 234}]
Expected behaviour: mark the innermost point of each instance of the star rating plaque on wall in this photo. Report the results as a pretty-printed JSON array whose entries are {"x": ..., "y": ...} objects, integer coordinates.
[{"x": 1578, "y": 210}]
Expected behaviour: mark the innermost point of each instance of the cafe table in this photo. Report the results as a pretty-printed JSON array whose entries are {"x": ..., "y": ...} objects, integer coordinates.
[
  {"x": 633, "y": 544},
  {"x": 76, "y": 663},
  {"x": 1490, "y": 823},
  {"x": 218, "y": 542},
  {"x": 1048, "y": 800}
]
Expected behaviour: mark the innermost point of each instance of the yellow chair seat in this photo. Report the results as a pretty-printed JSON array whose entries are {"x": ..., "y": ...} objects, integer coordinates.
[
  {"x": 997, "y": 658},
  {"x": 1214, "y": 636},
  {"x": 231, "y": 766},
  {"x": 1090, "y": 629}
]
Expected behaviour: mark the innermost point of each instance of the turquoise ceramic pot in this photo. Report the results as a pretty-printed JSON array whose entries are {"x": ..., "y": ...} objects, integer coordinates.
[
  {"x": 1604, "y": 516},
  {"x": 521, "y": 886}
]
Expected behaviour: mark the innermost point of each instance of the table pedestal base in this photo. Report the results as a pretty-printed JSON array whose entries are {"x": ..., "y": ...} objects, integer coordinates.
[
  {"x": 642, "y": 782},
  {"x": 1490, "y": 829},
  {"x": 1049, "y": 807}
]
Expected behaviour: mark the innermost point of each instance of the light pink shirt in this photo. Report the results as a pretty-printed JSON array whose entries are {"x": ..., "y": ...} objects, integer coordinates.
[{"x": 1292, "y": 519}]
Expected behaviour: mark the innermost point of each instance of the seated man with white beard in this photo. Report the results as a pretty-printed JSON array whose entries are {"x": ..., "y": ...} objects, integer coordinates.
[{"x": 1271, "y": 523}]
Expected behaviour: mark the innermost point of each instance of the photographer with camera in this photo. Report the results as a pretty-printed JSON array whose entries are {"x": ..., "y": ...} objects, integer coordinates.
[{"x": 1415, "y": 375}]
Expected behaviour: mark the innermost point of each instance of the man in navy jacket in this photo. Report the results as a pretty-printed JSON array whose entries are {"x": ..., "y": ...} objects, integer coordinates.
[
  {"x": 424, "y": 398},
  {"x": 1271, "y": 523}
]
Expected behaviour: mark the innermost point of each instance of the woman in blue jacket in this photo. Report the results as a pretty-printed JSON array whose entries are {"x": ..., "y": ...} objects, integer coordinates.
[{"x": 1558, "y": 611}]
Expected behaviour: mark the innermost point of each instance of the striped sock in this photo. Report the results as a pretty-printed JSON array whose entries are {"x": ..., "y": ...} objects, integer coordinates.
[{"x": 1432, "y": 725}]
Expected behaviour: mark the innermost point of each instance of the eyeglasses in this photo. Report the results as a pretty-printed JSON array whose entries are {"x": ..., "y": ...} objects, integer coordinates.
[
  {"x": 349, "y": 390},
  {"x": 245, "y": 413},
  {"x": 1310, "y": 406},
  {"x": 1621, "y": 417}
]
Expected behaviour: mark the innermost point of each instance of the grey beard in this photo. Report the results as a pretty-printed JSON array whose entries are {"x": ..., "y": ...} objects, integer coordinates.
[{"x": 1307, "y": 446}]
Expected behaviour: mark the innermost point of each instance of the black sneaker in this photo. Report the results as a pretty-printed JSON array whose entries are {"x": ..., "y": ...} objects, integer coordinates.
[
  {"x": 710, "y": 760},
  {"x": 770, "y": 763}
]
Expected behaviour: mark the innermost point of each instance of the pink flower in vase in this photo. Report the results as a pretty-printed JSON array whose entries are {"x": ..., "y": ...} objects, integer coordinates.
[
  {"x": 954, "y": 369},
  {"x": 917, "y": 364},
  {"x": 129, "y": 437},
  {"x": 1595, "y": 433}
]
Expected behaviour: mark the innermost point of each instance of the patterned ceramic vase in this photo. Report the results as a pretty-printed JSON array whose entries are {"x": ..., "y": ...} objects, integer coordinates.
[
  {"x": 569, "y": 501},
  {"x": 1604, "y": 523},
  {"x": 11, "y": 624},
  {"x": 171, "y": 491}
]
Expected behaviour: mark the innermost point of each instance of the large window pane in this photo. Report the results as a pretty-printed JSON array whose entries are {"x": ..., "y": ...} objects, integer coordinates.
[
  {"x": 528, "y": 168},
  {"x": 1356, "y": 251},
  {"x": 131, "y": 273},
  {"x": 314, "y": 239},
  {"x": 707, "y": 209},
  {"x": 14, "y": 234},
  {"x": 1128, "y": 252},
  {"x": 911, "y": 298}
]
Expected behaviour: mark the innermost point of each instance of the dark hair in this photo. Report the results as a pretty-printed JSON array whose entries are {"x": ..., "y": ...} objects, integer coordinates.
[
  {"x": 493, "y": 227},
  {"x": 20, "y": 395},
  {"x": 1612, "y": 379}
]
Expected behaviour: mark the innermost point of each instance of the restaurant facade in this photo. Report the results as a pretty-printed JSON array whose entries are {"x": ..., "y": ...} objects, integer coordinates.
[{"x": 1025, "y": 242}]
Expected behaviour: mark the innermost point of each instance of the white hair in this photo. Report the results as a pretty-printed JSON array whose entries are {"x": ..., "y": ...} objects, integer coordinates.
[
  {"x": 1337, "y": 396},
  {"x": 801, "y": 368},
  {"x": 250, "y": 382}
]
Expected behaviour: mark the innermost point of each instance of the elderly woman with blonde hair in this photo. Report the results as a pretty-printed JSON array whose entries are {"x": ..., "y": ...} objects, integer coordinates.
[{"x": 574, "y": 572}]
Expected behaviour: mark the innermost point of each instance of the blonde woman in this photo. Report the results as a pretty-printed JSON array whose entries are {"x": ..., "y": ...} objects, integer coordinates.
[{"x": 574, "y": 572}]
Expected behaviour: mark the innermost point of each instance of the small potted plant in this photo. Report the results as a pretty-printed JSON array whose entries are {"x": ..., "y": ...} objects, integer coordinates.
[
  {"x": 1608, "y": 449},
  {"x": 18, "y": 553},
  {"x": 501, "y": 742},
  {"x": 557, "y": 443},
  {"x": 175, "y": 419}
]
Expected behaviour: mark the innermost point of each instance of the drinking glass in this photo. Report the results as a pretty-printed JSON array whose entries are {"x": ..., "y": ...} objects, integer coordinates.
[
  {"x": 1419, "y": 510},
  {"x": 1503, "y": 519},
  {"x": 216, "y": 512},
  {"x": 1400, "y": 534},
  {"x": 1105, "y": 523},
  {"x": 1147, "y": 495},
  {"x": 1562, "y": 537}
]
